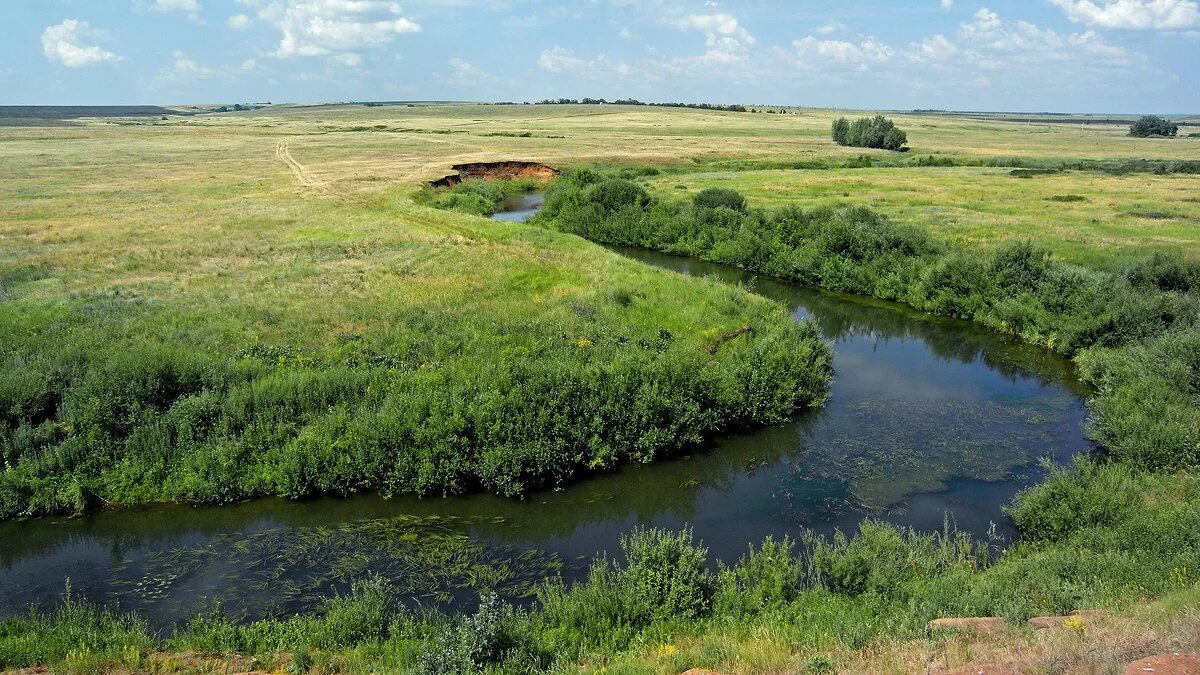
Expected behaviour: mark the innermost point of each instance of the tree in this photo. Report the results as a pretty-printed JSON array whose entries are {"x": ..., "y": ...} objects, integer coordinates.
[
  {"x": 895, "y": 139},
  {"x": 841, "y": 131},
  {"x": 869, "y": 132},
  {"x": 1153, "y": 125}
]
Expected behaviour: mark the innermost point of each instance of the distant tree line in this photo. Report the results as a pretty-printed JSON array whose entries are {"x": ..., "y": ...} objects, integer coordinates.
[
  {"x": 869, "y": 132},
  {"x": 634, "y": 101},
  {"x": 1153, "y": 125}
]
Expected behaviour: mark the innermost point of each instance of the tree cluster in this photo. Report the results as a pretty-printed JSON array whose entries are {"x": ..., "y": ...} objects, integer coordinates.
[
  {"x": 634, "y": 101},
  {"x": 1153, "y": 125},
  {"x": 869, "y": 132}
]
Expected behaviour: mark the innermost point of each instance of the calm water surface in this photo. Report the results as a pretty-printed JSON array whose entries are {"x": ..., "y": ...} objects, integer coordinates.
[{"x": 929, "y": 420}]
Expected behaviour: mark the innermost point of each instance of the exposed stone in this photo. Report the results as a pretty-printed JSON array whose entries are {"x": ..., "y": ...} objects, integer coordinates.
[
  {"x": 1078, "y": 619},
  {"x": 977, "y": 624},
  {"x": 1166, "y": 664},
  {"x": 976, "y": 669}
]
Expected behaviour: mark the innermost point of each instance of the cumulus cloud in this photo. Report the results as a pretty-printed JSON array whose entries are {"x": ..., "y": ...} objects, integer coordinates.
[
  {"x": 334, "y": 28},
  {"x": 561, "y": 60},
  {"x": 63, "y": 43},
  {"x": 189, "y": 7},
  {"x": 986, "y": 51},
  {"x": 947, "y": 5},
  {"x": 238, "y": 22},
  {"x": 830, "y": 27},
  {"x": 1132, "y": 14},
  {"x": 464, "y": 74},
  {"x": 724, "y": 37},
  {"x": 857, "y": 54},
  {"x": 186, "y": 6}
]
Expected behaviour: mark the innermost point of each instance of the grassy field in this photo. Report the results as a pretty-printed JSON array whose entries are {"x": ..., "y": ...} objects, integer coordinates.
[
  {"x": 146, "y": 264},
  {"x": 1089, "y": 218},
  {"x": 230, "y": 165},
  {"x": 216, "y": 307}
]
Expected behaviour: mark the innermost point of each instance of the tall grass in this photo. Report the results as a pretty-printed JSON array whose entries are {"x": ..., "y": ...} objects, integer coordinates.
[
  {"x": 820, "y": 594},
  {"x": 1116, "y": 325}
]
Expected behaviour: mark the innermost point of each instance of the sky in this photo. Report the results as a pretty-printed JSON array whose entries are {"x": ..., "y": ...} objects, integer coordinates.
[{"x": 1117, "y": 56}]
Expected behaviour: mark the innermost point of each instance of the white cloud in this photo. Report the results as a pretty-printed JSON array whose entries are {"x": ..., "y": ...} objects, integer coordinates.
[
  {"x": 947, "y": 5},
  {"x": 831, "y": 27},
  {"x": 191, "y": 8},
  {"x": 332, "y": 27},
  {"x": 562, "y": 60},
  {"x": 726, "y": 54},
  {"x": 464, "y": 74},
  {"x": 238, "y": 22},
  {"x": 935, "y": 49},
  {"x": 1132, "y": 14},
  {"x": 187, "y": 6},
  {"x": 183, "y": 71},
  {"x": 249, "y": 65},
  {"x": 856, "y": 54},
  {"x": 987, "y": 53},
  {"x": 64, "y": 43}
]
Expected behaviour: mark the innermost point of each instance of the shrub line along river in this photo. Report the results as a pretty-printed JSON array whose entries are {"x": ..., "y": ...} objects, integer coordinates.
[{"x": 930, "y": 420}]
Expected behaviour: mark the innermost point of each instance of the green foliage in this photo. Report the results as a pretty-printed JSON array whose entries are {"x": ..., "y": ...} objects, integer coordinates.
[
  {"x": 712, "y": 198},
  {"x": 75, "y": 631},
  {"x": 869, "y": 132},
  {"x": 1087, "y": 495},
  {"x": 765, "y": 578},
  {"x": 490, "y": 636},
  {"x": 841, "y": 131},
  {"x": 665, "y": 575},
  {"x": 1152, "y": 125},
  {"x": 883, "y": 559},
  {"x": 447, "y": 405},
  {"x": 475, "y": 196},
  {"x": 1117, "y": 325}
]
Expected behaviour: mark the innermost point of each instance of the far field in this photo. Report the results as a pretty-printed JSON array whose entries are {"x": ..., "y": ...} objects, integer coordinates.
[{"x": 1088, "y": 217}]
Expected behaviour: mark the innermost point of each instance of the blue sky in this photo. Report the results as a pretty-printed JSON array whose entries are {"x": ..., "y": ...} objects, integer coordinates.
[{"x": 1020, "y": 55}]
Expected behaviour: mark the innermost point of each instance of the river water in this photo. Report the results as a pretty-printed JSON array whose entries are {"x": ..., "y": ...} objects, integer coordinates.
[{"x": 930, "y": 420}]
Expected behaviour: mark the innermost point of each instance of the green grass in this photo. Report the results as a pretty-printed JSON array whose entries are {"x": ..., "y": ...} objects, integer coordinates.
[
  {"x": 1101, "y": 224},
  {"x": 257, "y": 303}
]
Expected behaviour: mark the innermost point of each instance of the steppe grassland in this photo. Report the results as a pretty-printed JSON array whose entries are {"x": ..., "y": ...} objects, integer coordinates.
[
  {"x": 1090, "y": 218},
  {"x": 1119, "y": 217}
]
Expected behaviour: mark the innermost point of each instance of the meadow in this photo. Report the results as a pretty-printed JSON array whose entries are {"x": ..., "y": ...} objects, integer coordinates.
[{"x": 218, "y": 307}]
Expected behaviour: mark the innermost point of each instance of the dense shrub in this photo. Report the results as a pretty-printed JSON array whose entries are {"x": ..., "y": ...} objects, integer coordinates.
[
  {"x": 428, "y": 409},
  {"x": 869, "y": 132},
  {"x": 712, "y": 198},
  {"x": 1117, "y": 324},
  {"x": 1152, "y": 125}
]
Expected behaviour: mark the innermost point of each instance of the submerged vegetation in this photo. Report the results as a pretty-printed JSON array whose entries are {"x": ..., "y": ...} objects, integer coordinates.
[{"x": 1097, "y": 536}]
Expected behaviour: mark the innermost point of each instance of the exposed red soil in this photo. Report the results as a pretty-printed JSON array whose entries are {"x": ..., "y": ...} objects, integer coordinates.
[{"x": 508, "y": 170}]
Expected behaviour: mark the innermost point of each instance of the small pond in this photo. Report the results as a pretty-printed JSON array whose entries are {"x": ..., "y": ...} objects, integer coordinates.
[{"x": 520, "y": 208}]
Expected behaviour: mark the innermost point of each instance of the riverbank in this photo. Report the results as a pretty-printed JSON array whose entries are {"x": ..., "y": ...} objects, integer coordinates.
[{"x": 340, "y": 273}]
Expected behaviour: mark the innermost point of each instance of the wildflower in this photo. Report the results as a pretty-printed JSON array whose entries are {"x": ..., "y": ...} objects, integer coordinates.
[
  {"x": 667, "y": 650},
  {"x": 1074, "y": 623},
  {"x": 584, "y": 343}
]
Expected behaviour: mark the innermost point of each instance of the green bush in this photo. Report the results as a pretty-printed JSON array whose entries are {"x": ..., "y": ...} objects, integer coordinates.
[
  {"x": 1118, "y": 326},
  {"x": 711, "y": 198},
  {"x": 1152, "y": 125},
  {"x": 869, "y": 132},
  {"x": 1084, "y": 496}
]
